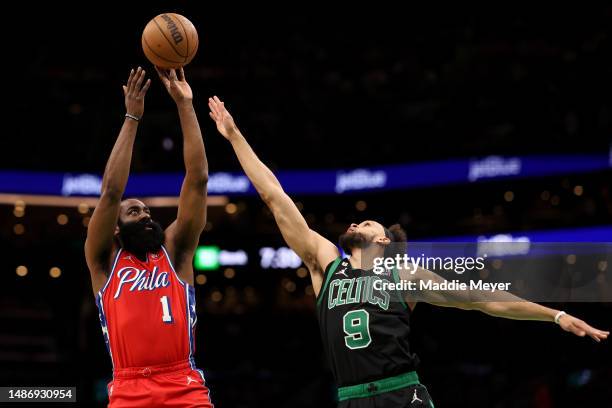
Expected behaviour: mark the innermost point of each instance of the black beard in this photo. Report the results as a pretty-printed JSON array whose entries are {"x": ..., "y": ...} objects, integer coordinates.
[
  {"x": 138, "y": 240},
  {"x": 350, "y": 240}
]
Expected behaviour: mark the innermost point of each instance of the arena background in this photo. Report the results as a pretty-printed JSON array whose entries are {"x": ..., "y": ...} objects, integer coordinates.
[{"x": 312, "y": 89}]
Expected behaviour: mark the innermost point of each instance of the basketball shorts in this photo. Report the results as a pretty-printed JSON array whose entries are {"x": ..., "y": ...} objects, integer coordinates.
[
  {"x": 174, "y": 385},
  {"x": 414, "y": 396}
]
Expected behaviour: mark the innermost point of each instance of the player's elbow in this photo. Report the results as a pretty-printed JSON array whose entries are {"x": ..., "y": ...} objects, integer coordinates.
[
  {"x": 494, "y": 308},
  {"x": 203, "y": 177},
  {"x": 197, "y": 180},
  {"x": 199, "y": 176},
  {"x": 111, "y": 194},
  {"x": 270, "y": 196}
]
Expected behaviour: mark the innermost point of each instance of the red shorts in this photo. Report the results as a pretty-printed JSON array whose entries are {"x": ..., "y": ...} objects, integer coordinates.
[{"x": 170, "y": 385}]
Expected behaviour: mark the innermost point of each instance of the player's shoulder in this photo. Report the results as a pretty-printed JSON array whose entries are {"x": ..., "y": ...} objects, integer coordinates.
[
  {"x": 101, "y": 271},
  {"x": 335, "y": 263}
]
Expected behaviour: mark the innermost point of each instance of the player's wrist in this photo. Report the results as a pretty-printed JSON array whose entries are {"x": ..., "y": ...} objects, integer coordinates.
[
  {"x": 558, "y": 316},
  {"x": 132, "y": 117},
  {"x": 234, "y": 134},
  {"x": 184, "y": 104}
]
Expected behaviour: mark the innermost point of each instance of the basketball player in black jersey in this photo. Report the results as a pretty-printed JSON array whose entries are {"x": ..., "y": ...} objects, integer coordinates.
[{"x": 365, "y": 332}]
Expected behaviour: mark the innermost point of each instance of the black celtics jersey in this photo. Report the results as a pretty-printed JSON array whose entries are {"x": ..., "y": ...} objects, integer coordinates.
[{"x": 365, "y": 330}]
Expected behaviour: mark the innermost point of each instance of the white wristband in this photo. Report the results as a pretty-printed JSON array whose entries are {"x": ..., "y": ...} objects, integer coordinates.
[
  {"x": 133, "y": 117},
  {"x": 558, "y": 316}
]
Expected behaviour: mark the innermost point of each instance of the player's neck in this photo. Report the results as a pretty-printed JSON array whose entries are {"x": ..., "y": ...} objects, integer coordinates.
[
  {"x": 140, "y": 255},
  {"x": 363, "y": 258}
]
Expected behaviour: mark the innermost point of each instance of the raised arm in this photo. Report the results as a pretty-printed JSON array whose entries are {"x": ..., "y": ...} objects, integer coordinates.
[
  {"x": 316, "y": 251},
  {"x": 499, "y": 304},
  {"x": 100, "y": 232},
  {"x": 182, "y": 235}
]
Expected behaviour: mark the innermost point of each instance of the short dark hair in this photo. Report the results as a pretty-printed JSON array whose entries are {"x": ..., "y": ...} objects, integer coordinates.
[{"x": 398, "y": 238}]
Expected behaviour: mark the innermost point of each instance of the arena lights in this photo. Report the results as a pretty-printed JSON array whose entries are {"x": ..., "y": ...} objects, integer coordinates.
[
  {"x": 209, "y": 257},
  {"x": 21, "y": 271},
  {"x": 83, "y": 208},
  {"x": 600, "y": 233},
  {"x": 578, "y": 190},
  {"x": 201, "y": 279},
  {"x": 231, "y": 208},
  {"x": 301, "y": 272},
  {"x": 216, "y": 296},
  {"x": 206, "y": 258},
  {"x": 555, "y": 200},
  {"x": 289, "y": 286},
  {"x": 55, "y": 272},
  {"x": 281, "y": 258},
  {"x": 84, "y": 204},
  {"x": 332, "y": 181}
]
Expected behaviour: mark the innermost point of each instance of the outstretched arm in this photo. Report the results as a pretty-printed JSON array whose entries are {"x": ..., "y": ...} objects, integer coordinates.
[
  {"x": 500, "y": 304},
  {"x": 316, "y": 251},
  {"x": 99, "y": 242},
  {"x": 182, "y": 236}
]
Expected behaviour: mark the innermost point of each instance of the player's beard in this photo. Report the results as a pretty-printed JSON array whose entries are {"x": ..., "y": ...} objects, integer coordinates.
[
  {"x": 350, "y": 240},
  {"x": 137, "y": 239}
]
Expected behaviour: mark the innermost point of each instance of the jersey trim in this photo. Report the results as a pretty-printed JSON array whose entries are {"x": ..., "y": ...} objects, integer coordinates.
[
  {"x": 191, "y": 322},
  {"x": 172, "y": 267},
  {"x": 187, "y": 316},
  {"x": 330, "y": 273},
  {"x": 399, "y": 294},
  {"x": 104, "y": 323},
  {"x": 112, "y": 271},
  {"x": 207, "y": 388}
]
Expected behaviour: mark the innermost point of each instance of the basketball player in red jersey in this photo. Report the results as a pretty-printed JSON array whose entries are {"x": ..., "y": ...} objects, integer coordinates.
[{"x": 142, "y": 276}]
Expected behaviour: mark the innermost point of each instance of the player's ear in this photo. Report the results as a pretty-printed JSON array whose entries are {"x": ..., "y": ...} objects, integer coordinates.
[
  {"x": 116, "y": 230},
  {"x": 382, "y": 240}
]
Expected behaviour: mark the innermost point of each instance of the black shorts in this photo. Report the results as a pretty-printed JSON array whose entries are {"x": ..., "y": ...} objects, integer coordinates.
[{"x": 414, "y": 396}]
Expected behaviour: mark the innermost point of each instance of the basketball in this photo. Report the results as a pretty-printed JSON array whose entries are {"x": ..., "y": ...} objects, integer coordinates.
[{"x": 170, "y": 41}]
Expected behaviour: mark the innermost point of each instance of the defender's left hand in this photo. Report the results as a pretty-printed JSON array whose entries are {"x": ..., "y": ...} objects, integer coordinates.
[{"x": 580, "y": 328}]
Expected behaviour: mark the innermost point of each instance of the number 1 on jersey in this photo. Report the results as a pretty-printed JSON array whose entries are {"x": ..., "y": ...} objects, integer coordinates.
[
  {"x": 166, "y": 316},
  {"x": 357, "y": 327}
]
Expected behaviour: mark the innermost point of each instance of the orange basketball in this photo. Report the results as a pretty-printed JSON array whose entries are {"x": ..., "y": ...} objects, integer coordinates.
[{"x": 170, "y": 41}]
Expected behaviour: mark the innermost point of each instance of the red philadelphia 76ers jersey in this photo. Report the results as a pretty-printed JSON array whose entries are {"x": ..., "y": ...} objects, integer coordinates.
[{"x": 147, "y": 313}]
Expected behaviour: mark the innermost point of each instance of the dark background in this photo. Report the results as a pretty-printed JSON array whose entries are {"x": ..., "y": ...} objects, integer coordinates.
[{"x": 313, "y": 87}]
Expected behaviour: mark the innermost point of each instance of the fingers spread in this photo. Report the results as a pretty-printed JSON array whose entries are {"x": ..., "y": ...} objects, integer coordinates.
[
  {"x": 141, "y": 76},
  {"x": 130, "y": 78},
  {"x": 136, "y": 79},
  {"x": 181, "y": 74},
  {"x": 172, "y": 74},
  {"x": 145, "y": 88}
]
